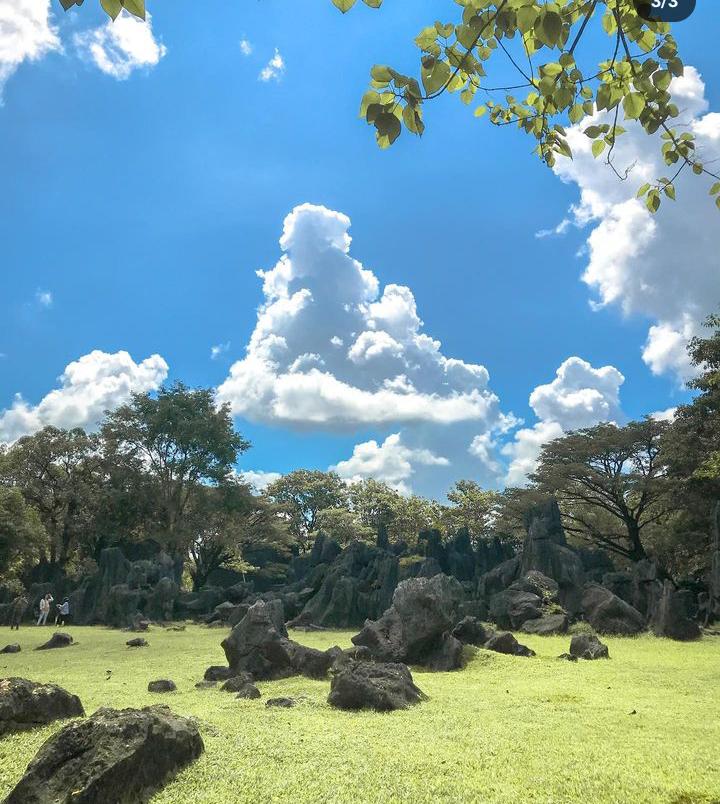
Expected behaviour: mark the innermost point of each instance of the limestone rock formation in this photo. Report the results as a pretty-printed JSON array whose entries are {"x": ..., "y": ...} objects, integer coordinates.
[{"x": 609, "y": 614}]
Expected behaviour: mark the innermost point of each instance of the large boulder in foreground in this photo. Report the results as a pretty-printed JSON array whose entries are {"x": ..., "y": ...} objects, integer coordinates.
[
  {"x": 26, "y": 704},
  {"x": 367, "y": 685},
  {"x": 416, "y": 628},
  {"x": 113, "y": 757},
  {"x": 671, "y": 617},
  {"x": 609, "y": 614}
]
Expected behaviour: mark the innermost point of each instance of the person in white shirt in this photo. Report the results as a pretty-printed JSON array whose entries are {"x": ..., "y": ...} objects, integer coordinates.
[
  {"x": 63, "y": 612},
  {"x": 44, "y": 609}
]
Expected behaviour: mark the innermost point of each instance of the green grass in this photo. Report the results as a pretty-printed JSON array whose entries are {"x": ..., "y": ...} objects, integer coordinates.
[{"x": 504, "y": 729}]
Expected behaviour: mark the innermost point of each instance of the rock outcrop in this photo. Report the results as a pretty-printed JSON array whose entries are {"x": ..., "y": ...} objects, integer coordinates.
[
  {"x": 672, "y": 618},
  {"x": 609, "y": 614}
]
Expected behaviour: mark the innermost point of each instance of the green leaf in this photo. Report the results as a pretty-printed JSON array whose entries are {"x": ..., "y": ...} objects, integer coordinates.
[
  {"x": 135, "y": 7},
  {"x": 551, "y": 27},
  {"x": 641, "y": 192},
  {"x": 388, "y": 125},
  {"x": 67, "y": 4},
  {"x": 598, "y": 147},
  {"x": 480, "y": 111},
  {"x": 436, "y": 78},
  {"x": 343, "y": 5},
  {"x": 715, "y": 189},
  {"x": 379, "y": 72},
  {"x": 373, "y": 3},
  {"x": 633, "y": 105},
  {"x": 112, "y": 7},
  {"x": 653, "y": 201},
  {"x": 670, "y": 191}
]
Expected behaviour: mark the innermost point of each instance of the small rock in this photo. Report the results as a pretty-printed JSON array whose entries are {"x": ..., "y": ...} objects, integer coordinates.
[
  {"x": 248, "y": 691},
  {"x": 505, "y": 642},
  {"x": 568, "y": 657},
  {"x": 138, "y": 642},
  {"x": 217, "y": 672},
  {"x": 206, "y": 685},
  {"x": 282, "y": 702},
  {"x": 236, "y": 683},
  {"x": 370, "y": 685},
  {"x": 588, "y": 646},
  {"x": 57, "y": 640},
  {"x": 12, "y": 648},
  {"x": 162, "y": 685}
]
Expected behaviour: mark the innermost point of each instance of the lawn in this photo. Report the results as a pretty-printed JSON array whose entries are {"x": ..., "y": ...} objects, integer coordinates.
[{"x": 641, "y": 727}]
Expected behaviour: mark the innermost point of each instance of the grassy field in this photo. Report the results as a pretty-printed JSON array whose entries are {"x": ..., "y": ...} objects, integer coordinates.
[{"x": 642, "y": 727}]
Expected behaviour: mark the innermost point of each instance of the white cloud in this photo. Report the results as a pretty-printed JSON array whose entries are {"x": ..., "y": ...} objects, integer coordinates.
[
  {"x": 664, "y": 267},
  {"x": 89, "y": 386},
  {"x": 274, "y": 69},
  {"x": 26, "y": 34},
  {"x": 120, "y": 47},
  {"x": 44, "y": 298},
  {"x": 246, "y": 47},
  {"x": 579, "y": 396},
  {"x": 258, "y": 479},
  {"x": 390, "y": 462},
  {"x": 667, "y": 415},
  {"x": 331, "y": 350},
  {"x": 218, "y": 350}
]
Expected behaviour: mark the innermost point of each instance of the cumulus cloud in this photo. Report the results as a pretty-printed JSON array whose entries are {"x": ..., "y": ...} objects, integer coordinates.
[
  {"x": 246, "y": 47},
  {"x": 274, "y": 69},
  {"x": 26, "y": 34},
  {"x": 332, "y": 350},
  {"x": 663, "y": 267},
  {"x": 579, "y": 396},
  {"x": 118, "y": 48},
  {"x": 89, "y": 386},
  {"x": 391, "y": 462}
]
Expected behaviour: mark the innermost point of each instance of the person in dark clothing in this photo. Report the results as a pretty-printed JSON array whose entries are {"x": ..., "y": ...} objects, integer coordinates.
[{"x": 17, "y": 611}]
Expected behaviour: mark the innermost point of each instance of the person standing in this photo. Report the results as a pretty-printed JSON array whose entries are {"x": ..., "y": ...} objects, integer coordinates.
[
  {"x": 63, "y": 614},
  {"x": 45, "y": 603},
  {"x": 17, "y": 612}
]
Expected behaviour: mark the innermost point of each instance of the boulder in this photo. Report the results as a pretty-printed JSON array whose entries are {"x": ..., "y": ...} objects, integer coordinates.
[
  {"x": 162, "y": 685},
  {"x": 113, "y": 756},
  {"x": 284, "y": 703},
  {"x": 236, "y": 683},
  {"x": 13, "y": 647},
  {"x": 138, "y": 642},
  {"x": 511, "y": 608},
  {"x": 505, "y": 642},
  {"x": 588, "y": 646},
  {"x": 470, "y": 631},
  {"x": 546, "y": 625},
  {"x": 415, "y": 629},
  {"x": 369, "y": 685},
  {"x": 609, "y": 614},
  {"x": 57, "y": 640},
  {"x": 672, "y": 615},
  {"x": 249, "y": 691},
  {"x": 498, "y": 578},
  {"x": 218, "y": 673},
  {"x": 26, "y": 704}
]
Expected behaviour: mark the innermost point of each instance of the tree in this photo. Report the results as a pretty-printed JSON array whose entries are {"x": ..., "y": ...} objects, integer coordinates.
[
  {"x": 54, "y": 470},
  {"x": 375, "y": 503},
  {"x": 303, "y": 494},
  {"x": 610, "y": 483},
  {"x": 21, "y": 532},
  {"x": 225, "y": 520},
  {"x": 182, "y": 441},
  {"x": 472, "y": 507},
  {"x": 344, "y": 526},
  {"x": 539, "y": 40},
  {"x": 691, "y": 446}
]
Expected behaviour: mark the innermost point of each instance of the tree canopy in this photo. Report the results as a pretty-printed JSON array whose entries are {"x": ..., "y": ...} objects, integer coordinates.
[{"x": 539, "y": 41}]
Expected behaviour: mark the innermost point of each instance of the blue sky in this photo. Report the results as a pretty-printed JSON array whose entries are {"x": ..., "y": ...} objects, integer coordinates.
[{"x": 144, "y": 207}]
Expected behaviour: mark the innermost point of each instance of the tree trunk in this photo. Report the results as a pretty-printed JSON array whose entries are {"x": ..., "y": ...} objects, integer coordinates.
[{"x": 637, "y": 551}]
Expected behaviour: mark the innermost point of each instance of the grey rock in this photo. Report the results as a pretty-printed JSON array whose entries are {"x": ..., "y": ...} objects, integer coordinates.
[{"x": 369, "y": 685}]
